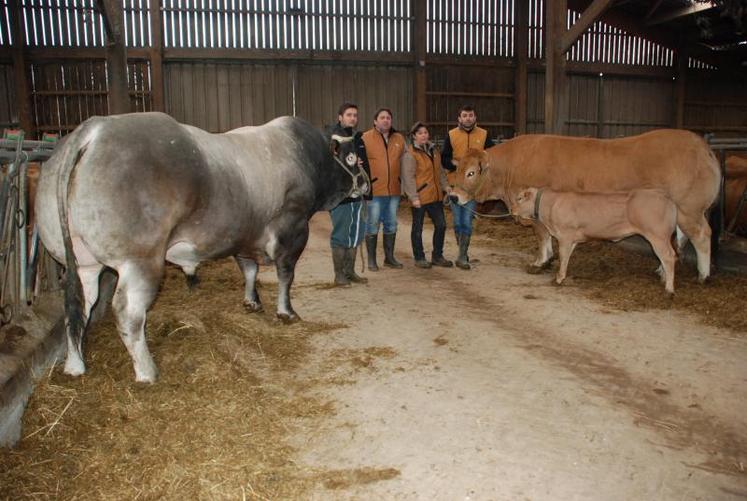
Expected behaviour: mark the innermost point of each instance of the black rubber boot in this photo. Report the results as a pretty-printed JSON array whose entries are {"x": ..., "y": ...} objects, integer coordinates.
[
  {"x": 463, "y": 260},
  {"x": 371, "y": 241},
  {"x": 350, "y": 254},
  {"x": 338, "y": 259},
  {"x": 389, "y": 259},
  {"x": 441, "y": 261}
]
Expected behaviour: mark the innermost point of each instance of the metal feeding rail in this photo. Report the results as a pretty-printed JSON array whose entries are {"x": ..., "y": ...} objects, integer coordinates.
[
  {"x": 17, "y": 258},
  {"x": 722, "y": 228}
]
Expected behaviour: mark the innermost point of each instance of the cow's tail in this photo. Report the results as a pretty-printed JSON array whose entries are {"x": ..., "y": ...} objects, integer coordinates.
[{"x": 73, "y": 288}]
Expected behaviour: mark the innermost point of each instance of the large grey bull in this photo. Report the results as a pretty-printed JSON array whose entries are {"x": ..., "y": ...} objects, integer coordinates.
[{"x": 132, "y": 192}]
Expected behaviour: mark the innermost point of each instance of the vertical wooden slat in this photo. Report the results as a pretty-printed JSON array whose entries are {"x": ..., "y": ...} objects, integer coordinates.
[
  {"x": 521, "y": 34},
  {"x": 62, "y": 33},
  {"x": 681, "y": 59},
  {"x": 23, "y": 90},
  {"x": 156, "y": 57},
  {"x": 555, "y": 76}
]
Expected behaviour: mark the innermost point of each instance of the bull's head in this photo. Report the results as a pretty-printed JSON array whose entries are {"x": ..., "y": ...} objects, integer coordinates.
[
  {"x": 470, "y": 175},
  {"x": 344, "y": 152}
]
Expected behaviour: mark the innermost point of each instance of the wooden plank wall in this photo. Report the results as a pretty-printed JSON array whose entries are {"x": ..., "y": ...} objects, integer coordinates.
[
  {"x": 8, "y": 105},
  {"x": 219, "y": 96},
  {"x": 65, "y": 93},
  {"x": 715, "y": 105},
  {"x": 322, "y": 88},
  {"x": 489, "y": 89},
  {"x": 607, "y": 105}
]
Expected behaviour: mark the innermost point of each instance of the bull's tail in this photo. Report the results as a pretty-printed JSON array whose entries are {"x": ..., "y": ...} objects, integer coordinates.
[{"x": 73, "y": 288}]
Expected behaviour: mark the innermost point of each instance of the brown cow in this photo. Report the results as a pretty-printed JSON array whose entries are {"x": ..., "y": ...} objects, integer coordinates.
[
  {"x": 678, "y": 162},
  {"x": 579, "y": 217},
  {"x": 734, "y": 189}
]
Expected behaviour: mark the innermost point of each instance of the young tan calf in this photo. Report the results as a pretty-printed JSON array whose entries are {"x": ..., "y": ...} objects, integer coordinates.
[{"x": 578, "y": 217}]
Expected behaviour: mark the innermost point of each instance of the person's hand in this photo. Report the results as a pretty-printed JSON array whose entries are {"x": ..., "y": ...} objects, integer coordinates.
[
  {"x": 360, "y": 163},
  {"x": 416, "y": 203}
]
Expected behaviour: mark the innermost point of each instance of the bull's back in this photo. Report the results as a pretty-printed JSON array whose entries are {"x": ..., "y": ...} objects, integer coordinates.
[
  {"x": 677, "y": 162},
  {"x": 135, "y": 178}
]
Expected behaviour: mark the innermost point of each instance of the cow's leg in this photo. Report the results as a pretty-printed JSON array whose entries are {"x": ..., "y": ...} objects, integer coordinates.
[
  {"x": 290, "y": 245},
  {"x": 680, "y": 240},
  {"x": 565, "y": 249},
  {"x": 544, "y": 252},
  {"x": 699, "y": 232},
  {"x": 89, "y": 279},
  {"x": 249, "y": 268},
  {"x": 137, "y": 287},
  {"x": 664, "y": 251}
]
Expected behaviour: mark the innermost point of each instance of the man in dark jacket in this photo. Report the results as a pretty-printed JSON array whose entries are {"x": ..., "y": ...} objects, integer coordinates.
[{"x": 348, "y": 224}]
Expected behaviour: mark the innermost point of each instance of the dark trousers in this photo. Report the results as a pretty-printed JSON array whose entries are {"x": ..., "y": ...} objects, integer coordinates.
[{"x": 435, "y": 211}]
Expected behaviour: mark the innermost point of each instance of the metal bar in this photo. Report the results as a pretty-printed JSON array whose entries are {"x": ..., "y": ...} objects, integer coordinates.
[{"x": 22, "y": 212}]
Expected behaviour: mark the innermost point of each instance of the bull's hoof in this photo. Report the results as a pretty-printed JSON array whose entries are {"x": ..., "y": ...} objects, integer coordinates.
[
  {"x": 148, "y": 375},
  {"x": 253, "y": 306},
  {"x": 704, "y": 280},
  {"x": 554, "y": 282},
  {"x": 288, "y": 318},
  {"x": 74, "y": 366},
  {"x": 192, "y": 281},
  {"x": 147, "y": 379}
]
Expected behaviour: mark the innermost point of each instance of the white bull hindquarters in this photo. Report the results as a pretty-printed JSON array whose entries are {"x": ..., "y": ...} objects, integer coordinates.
[
  {"x": 131, "y": 192},
  {"x": 579, "y": 217}
]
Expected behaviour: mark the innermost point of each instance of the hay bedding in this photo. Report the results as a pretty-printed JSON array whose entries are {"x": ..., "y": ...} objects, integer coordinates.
[
  {"x": 625, "y": 281},
  {"x": 214, "y": 426}
]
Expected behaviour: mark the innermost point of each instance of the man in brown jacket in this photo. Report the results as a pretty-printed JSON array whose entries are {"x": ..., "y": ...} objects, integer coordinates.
[
  {"x": 384, "y": 148},
  {"x": 460, "y": 139}
]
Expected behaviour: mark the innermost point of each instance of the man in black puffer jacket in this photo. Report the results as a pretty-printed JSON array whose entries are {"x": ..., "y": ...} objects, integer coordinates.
[{"x": 348, "y": 224}]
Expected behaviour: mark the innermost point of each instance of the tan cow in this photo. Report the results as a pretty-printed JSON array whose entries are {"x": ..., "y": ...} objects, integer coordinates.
[
  {"x": 678, "y": 162},
  {"x": 578, "y": 217},
  {"x": 734, "y": 189}
]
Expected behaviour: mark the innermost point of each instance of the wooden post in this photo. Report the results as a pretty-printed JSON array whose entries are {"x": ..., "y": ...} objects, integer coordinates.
[
  {"x": 156, "y": 57},
  {"x": 680, "y": 88},
  {"x": 556, "y": 109},
  {"x": 116, "y": 56},
  {"x": 23, "y": 92},
  {"x": 521, "y": 43},
  {"x": 419, "y": 44}
]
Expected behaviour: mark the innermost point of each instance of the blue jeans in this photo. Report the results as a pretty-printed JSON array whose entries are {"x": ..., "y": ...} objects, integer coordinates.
[
  {"x": 347, "y": 225},
  {"x": 463, "y": 217},
  {"x": 382, "y": 210}
]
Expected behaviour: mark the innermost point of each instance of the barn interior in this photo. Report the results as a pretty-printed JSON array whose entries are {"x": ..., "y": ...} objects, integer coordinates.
[{"x": 588, "y": 68}]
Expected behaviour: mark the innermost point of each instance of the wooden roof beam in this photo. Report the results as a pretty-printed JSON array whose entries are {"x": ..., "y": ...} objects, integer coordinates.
[
  {"x": 589, "y": 15},
  {"x": 679, "y": 13}
]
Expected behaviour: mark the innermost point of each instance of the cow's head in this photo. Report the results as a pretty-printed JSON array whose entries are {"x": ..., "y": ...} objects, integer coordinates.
[
  {"x": 344, "y": 152},
  {"x": 470, "y": 175},
  {"x": 522, "y": 203}
]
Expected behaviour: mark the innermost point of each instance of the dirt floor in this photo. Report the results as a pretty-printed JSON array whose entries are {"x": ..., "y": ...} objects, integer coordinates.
[{"x": 489, "y": 384}]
